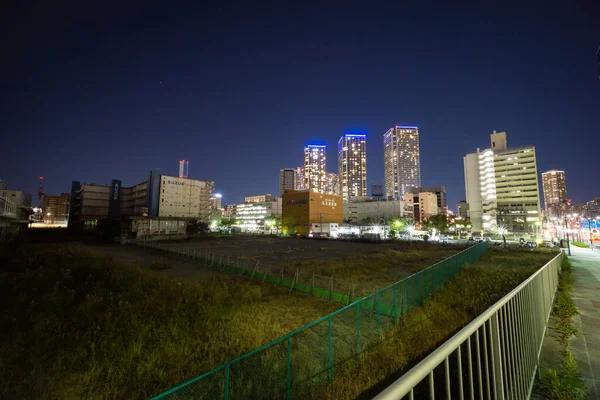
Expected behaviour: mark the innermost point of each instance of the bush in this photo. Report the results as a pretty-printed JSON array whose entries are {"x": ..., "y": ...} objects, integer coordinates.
[{"x": 582, "y": 245}]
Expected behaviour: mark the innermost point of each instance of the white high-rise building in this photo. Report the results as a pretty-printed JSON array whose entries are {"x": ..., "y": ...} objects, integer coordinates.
[
  {"x": 315, "y": 177},
  {"x": 402, "y": 160},
  {"x": 501, "y": 186},
  {"x": 352, "y": 165}
]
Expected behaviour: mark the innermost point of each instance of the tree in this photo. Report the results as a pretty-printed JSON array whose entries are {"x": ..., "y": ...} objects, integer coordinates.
[
  {"x": 228, "y": 222},
  {"x": 196, "y": 227},
  {"x": 439, "y": 222}
]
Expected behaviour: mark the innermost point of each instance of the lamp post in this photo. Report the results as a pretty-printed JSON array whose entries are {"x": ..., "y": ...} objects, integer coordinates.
[{"x": 567, "y": 234}]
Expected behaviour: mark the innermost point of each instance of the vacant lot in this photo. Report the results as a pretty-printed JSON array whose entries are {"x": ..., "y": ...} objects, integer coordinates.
[
  {"x": 376, "y": 264},
  {"x": 460, "y": 300},
  {"x": 76, "y": 324}
]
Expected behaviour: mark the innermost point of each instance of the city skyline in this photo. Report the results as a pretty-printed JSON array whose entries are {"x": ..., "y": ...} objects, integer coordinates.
[{"x": 125, "y": 106}]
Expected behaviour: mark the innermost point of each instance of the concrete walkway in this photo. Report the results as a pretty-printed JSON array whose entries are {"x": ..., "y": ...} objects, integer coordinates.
[{"x": 586, "y": 295}]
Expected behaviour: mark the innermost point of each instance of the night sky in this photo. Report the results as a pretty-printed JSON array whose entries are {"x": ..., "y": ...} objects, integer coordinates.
[{"x": 94, "y": 93}]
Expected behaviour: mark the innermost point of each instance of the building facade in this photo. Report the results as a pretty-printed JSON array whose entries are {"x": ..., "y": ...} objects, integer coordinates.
[
  {"x": 501, "y": 186},
  {"x": 161, "y": 196},
  {"x": 185, "y": 198},
  {"x": 554, "y": 188},
  {"x": 299, "y": 179},
  {"x": 402, "y": 160},
  {"x": 440, "y": 194},
  {"x": 261, "y": 198},
  {"x": 56, "y": 208},
  {"x": 332, "y": 184},
  {"x": 253, "y": 216},
  {"x": 315, "y": 177},
  {"x": 424, "y": 205},
  {"x": 352, "y": 165},
  {"x": 364, "y": 208},
  {"x": 303, "y": 208},
  {"x": 287, "y": 180}
]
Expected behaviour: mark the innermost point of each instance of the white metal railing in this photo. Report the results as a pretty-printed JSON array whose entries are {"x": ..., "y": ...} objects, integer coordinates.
[{"x": 496, "y": 356}]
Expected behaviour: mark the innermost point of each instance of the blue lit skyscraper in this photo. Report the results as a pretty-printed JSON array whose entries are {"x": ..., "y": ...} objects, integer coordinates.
[{"x": 352, "y": 165}]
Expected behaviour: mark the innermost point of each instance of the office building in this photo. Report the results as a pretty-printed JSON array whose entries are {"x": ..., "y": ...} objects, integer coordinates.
[
  {"x": 161, "y": 196},
  {"x": 365, "y": 208},
  {"x": 287, "y": 180},
  {"x": 352, "y": 165},
  {"x": 332, "y": 184},
  {"x": 555, "y": 192},
  {"x": 462, "y": 209},
  {"x": 315, "y": 177},
  {"x": 253, "y": 216},
  {"x": 56, "y": 208},
  {"x": 303, "y": 208},
  {"x": 261, "y": 198},
  {"x": 440, "y": 194},
  {"x": 402, "y": 162},
  {"x": 186, "y": 198},
  {"x": 424, "y": 204},
  {"x": 501, "y": 186}
]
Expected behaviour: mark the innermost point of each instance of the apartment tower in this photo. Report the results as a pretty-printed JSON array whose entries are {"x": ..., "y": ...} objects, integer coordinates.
[
  {"x": 352, "y": 165},
  {"x": 315, "y": 177},
  {"x": 402, "y": 161}
]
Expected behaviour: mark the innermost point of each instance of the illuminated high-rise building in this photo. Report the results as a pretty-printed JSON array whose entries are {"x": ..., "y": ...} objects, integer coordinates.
[
  {"x": 502, "y": 188},
  {"x": 402, "y": 161},
  {"x": 315, "y": 177},
  {"x": 555, "y": 188},
  {"x": 352, "y": 165},
  {"x": 332, "y": 184}
]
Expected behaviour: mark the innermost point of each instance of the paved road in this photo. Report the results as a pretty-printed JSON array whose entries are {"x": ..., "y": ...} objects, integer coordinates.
[{"x": 586, "y": 294}]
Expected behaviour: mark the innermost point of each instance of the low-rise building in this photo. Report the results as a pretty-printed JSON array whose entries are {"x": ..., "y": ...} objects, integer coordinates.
[
  {"x": 302, "y": 208},
  {"x": 261, "y": 198},
  {"x": 365, "y": 208},
  {"x": 160, "y": 196},
  {"x": 440, "y": 194},
  {"x": 253, "y": 216},
  {"x": 424, "y": 204}
]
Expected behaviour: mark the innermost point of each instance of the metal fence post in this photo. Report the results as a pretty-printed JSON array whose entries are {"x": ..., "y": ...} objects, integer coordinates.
[
  {"x": 227, "y": 381},
  {"x": 394, "y": 312},
  {"x": 329, "y": 349},
  {"x": 289, "y": 367},
  {"x": 357, "y": 328}
]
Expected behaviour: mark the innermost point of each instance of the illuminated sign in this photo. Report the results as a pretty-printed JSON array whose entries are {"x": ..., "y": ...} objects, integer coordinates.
[{"x": 175, "y": 183}]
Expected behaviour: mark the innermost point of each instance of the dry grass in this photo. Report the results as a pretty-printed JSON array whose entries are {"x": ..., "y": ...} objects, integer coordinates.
[{"x": 76, "y": 325}]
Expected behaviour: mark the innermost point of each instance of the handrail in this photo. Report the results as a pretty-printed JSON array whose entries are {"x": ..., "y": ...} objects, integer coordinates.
[{"x": 406, "y": 383}]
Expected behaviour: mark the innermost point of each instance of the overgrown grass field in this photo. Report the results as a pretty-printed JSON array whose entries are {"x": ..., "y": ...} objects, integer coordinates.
[
  {"x": 77, "y": 325},
  {"x": 460, "y": 300}
]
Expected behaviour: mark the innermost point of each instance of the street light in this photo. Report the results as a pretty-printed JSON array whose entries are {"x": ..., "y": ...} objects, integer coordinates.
[{"x": 502, "y": 231}]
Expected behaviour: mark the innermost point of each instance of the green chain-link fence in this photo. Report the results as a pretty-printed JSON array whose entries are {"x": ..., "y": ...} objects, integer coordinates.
[{"x": 302, "y": 363}]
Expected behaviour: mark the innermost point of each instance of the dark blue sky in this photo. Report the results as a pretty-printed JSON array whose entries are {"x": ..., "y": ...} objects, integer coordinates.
[{"x": 103, "y": 92}]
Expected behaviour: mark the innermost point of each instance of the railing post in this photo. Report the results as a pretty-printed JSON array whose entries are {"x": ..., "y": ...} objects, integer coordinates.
[{"x": 496, "y": 355}]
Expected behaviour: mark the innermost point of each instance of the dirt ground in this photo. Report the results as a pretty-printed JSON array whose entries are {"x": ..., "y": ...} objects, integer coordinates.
[{"x": 377, "y": 264}]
